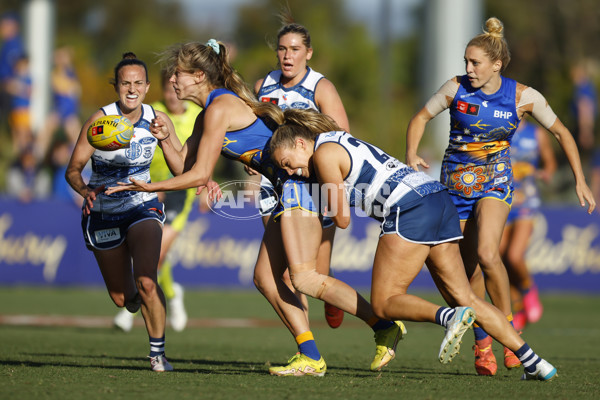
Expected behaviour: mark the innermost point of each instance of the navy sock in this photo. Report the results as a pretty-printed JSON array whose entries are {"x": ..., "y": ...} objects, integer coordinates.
[
  {"x": 443, "y": 315},
  {"x": 157, "y": 346},
  {"x": 381, "y": 324},
  {"x": 528, "y": 358},
  {"x": 479, "y": 333}
]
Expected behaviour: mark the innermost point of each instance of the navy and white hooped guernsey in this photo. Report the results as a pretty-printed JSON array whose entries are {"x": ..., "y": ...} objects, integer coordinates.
[
  {"x": 111, "y": 167},
  {"x": 377, "y": 181},
  {"x": 300, "y": 96}
]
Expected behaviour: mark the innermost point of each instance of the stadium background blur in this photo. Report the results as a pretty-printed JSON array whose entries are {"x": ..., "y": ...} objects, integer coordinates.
[{"x": 378, "y": 53}]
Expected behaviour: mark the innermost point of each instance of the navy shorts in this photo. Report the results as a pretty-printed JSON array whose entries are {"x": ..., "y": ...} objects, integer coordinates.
[
  {"x": 103, "y": 231},
  {"x": 432, "y": 219}
]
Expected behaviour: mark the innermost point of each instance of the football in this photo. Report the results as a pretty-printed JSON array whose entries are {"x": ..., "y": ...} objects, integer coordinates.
[{"x": 111, "y": 132}]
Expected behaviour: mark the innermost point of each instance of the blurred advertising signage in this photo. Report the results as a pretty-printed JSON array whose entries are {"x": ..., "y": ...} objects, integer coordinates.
[{"x": 41, "y": 244}]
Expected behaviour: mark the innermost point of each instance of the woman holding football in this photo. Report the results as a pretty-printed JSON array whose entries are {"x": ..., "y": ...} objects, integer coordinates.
[
  {"x": 485, "y": 110},
  {"x": 233, "y": 123},
  {"x": 124, "y": 230}
]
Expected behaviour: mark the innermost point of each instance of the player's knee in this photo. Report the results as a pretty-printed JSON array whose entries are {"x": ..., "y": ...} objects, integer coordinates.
[
  {"x": 379, "y": 308},
  {"x": 514, "y": 258},
  {"x": 383, "y": 308},
  {"x": 146, "y": 285},
  {"x": 311, "y": 283},
  {"x": 258, "y": 283},
  {"x": 489, "y": 258}
]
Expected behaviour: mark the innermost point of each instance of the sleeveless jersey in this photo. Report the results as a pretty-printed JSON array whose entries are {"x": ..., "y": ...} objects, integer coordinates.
[
  {"x": 477, "y": 159},
  {"x": 377, "y": 181},
  {"x": 300, "y": 96},
  {"x": 249, "y": 145},
  {"x": 110, "y": 167}
]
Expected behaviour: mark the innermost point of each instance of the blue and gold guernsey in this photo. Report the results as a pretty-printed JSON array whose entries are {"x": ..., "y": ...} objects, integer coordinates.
[
  {"x": 111, "y": 167},
  {"x": 300, "y": 96},
  {"x": 377, "y": 181},
  {"x": 249, "y": 145},
  {"x": 477, "y": 160},
  {"x": 525, "y": 158}
]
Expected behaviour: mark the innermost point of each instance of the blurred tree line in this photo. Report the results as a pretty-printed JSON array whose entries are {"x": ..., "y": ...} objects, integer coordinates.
[{"x": 377, "y": 79}]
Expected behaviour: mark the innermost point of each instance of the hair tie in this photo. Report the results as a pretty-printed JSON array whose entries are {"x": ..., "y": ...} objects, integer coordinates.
[{"x": 215, "y": 46}]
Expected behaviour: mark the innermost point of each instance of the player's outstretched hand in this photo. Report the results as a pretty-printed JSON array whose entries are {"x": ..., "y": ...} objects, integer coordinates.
[
  {"x": 213, "y": 190},
  {"x": 134, "y": 185},
  {"x": 414, "y": 161}
]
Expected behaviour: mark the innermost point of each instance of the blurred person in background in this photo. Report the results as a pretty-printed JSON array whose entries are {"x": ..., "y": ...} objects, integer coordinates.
[
  {"x": 584, "y": 107},
  {"x": 12, "y": 49},
  {"x": 232, "y": 123},
  {"x": 66, "y": 91},
  {"x": 26, "y": 178},
  {"x": 295, "y": 85},
  {"x": 59, "y": 155},
  {"x": 485, "y": 110},
  {"x": 124, "y": 231},
  {"x": 532, "y": 158},
  {"x": 19, "y": 88},
  {"x": 178, "y": 205}
]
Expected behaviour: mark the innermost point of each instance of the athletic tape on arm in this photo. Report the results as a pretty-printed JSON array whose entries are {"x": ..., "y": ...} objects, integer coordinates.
[{"x": 541, "y": 111}]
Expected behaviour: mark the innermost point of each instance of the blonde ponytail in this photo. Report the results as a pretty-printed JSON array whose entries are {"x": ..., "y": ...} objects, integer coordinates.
[{"x": 492, "y": 42}]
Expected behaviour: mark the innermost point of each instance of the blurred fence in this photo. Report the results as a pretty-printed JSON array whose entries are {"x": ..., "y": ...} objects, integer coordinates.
[{"x": 41, "y": 244}]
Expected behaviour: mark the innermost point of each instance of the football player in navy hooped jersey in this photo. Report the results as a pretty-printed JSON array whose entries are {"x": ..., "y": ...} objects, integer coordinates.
[
  {"x": 419, "y": 223},
  {"x": 485, "y": 109},
  {"x": 124, "y": 230},
  {"x": 295, "y": 85}
]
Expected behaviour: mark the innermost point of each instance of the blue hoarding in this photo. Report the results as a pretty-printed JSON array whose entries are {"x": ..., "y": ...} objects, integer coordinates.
[{"x": 41, "y": 244}]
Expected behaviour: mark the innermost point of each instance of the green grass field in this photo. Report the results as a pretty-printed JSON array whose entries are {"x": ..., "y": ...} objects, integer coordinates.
[{"x": 63, "y": 359}]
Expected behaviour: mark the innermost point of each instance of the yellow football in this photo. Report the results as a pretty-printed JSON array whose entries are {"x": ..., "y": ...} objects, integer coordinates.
[{"x": 111, "y": 132}]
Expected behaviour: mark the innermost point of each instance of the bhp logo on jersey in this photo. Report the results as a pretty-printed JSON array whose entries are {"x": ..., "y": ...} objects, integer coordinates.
[
  {"x": 467, "y": 108},
  {"x": 502, "y": 114}
]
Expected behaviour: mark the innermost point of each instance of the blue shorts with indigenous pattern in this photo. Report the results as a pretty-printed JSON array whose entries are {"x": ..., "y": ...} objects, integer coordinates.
[
  {"x": 466, "y": 206},
  {"x": 431, "y": 220},
  {"x": 299, "y": 194},
  {"x": 103, "y": 231}
]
